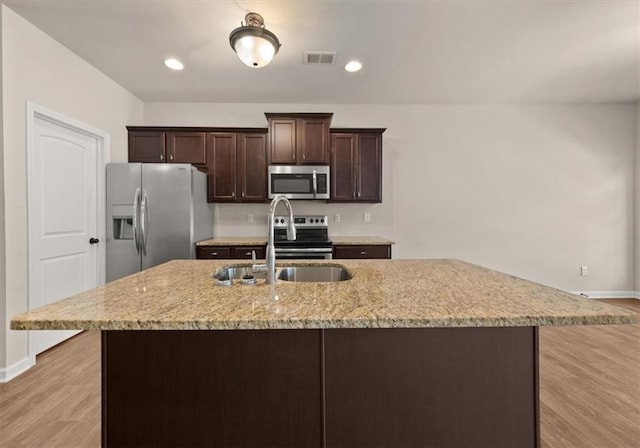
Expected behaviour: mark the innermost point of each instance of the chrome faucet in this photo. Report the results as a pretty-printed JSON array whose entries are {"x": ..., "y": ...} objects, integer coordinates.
[{"x": 291, "y": 235}]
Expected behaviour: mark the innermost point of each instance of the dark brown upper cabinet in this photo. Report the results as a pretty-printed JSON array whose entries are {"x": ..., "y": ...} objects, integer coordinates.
[
  {"x": 299, "y": 139},
  {"x": 163, "y": 146},
  {"x": 186, "y": 147},
  {"x": 237, "y": 167},
  {"x": 356, "y": 165},
  {"x": 146, "y": 146}
]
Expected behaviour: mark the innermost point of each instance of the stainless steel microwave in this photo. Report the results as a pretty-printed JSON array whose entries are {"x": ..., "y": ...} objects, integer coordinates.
[{"x": 299, "y": 181}]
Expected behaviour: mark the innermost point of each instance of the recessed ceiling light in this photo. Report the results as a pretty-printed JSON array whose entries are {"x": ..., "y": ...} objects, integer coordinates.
[
  {"x": 173, "y": 64},
  {"x": 353, "y": 66}
]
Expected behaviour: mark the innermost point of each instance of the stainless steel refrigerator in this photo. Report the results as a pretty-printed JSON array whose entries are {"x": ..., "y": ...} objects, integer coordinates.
[{"x": 155, "y": 213}]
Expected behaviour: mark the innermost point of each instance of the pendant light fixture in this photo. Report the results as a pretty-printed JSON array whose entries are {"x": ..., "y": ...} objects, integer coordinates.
[{"x": 254, "y": 44}]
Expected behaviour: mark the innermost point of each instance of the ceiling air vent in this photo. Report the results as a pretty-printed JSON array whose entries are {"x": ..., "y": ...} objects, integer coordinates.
[{"x": 319, "y": 57}]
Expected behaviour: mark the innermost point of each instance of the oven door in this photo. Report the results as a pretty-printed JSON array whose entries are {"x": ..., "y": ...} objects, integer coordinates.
[{"x": 307, "y": 253}]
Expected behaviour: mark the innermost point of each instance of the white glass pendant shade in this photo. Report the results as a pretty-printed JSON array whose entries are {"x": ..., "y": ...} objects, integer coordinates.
[
  {"x": 254, "y": 51},
  {"x": 253, "y": 43}
]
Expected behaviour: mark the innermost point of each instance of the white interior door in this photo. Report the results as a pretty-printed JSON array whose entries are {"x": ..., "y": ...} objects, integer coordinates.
[{"x": 64, "y": 175}]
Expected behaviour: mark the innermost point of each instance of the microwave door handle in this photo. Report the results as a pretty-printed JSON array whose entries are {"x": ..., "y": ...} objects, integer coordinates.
[{"x": 315, "y": 184}]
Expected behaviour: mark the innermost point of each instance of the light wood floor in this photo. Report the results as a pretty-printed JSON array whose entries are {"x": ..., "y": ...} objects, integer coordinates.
[{"x": 589, "y": 391}]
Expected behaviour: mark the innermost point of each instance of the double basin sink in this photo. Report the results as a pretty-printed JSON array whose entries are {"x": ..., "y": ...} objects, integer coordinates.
[{"x": 290, "y": 273}]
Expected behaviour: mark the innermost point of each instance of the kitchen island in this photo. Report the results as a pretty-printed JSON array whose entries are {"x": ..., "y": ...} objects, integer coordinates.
[{"x": 406, "y": 353}]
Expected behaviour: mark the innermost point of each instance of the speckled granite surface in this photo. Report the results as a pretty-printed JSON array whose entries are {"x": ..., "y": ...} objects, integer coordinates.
[
  {"x": 382, "y": 294},
  {"x": 234, "y": 241},
  {"x": 261, "y": 240},
  {"x": 361, "y": 240}
]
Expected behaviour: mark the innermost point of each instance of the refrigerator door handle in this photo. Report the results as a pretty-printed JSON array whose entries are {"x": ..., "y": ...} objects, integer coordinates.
[
  {"x": 144, "y": 221},
  {"x": 135, "y": 215}
]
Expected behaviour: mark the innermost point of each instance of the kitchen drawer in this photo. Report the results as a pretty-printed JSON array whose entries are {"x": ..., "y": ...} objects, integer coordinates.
[
  {"x": 211, "y": 252},
  {"x": 245, "y": 251},
  {"x": 371, "y": 251}
]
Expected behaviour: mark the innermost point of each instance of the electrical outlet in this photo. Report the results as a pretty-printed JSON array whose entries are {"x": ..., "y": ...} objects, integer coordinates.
[
  {"x": 367, "y": 217},
  {"x": 584, "y": 270},
  {"x": 336, "y": 217},
  {"x": 250, "y": 217}
]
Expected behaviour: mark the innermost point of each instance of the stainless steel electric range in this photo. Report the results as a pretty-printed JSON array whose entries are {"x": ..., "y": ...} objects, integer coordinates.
[{"x": 312, "y": 241}]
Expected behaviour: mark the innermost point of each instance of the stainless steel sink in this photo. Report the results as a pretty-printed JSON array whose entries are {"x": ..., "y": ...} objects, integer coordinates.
[
  {"x": 234, "y": 272},
  {"x": 244, "y": 273},
  {"x": 313, "y": 274}
]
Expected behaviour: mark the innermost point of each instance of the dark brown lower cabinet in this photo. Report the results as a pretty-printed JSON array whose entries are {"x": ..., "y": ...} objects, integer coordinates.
[
  {"x": 211, "y": 388},
  {"x": 426, "y": 387},
  {"x": 230, "y": 252},
  {"x": 439, "y": 387},
  {"x": 348, "y": 251}
]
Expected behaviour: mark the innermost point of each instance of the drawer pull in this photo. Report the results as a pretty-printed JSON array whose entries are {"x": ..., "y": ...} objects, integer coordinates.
[
  {"x": 248, "y": 254},
  {"x": 215, "y": 254},
  {"x": 364, "y": 252}
]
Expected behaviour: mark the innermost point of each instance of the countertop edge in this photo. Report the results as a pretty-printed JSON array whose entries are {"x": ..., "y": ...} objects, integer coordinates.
[
  {"x": 257, "y": 241},
  {"x": 17, "y": 324}
]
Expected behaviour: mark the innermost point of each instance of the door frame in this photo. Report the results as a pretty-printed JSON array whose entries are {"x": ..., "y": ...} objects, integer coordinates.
[{"x": 103, "y": 140}]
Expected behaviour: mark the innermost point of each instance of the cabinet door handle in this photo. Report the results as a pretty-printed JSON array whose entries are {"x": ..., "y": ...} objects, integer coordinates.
[
  {"x": 161, "y": 156},
  {"x": 243, "y": 194},
  {"x": 359, "y": 193},
  {"x": 293, "y": 156},
  {"x": 170, "y": 156},
  {"x": 304, "y": 157},
  {"x": 233, "y": 194}
]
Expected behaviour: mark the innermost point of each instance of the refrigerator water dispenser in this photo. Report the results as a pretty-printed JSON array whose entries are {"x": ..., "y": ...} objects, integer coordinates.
[{"x": 122, "y": 222}]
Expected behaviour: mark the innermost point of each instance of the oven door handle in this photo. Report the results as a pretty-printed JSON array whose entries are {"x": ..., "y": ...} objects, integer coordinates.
[
  {"x": 315, "y": 184},
  {"x": 325, "y": 256},
  {"x": 315, "y": 250}
]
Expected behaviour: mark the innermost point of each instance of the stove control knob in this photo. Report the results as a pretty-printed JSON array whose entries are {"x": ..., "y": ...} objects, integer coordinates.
[{"x": 322, "y": 220}]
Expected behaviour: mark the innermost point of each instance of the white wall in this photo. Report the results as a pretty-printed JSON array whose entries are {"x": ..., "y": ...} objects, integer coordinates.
[
  {"x": 36, "y": 68},
  {"x": 533, "y": 190}
]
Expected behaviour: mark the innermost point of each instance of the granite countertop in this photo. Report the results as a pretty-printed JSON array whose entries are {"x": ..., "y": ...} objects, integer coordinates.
[
  {"x": 234, "y": 241},
  {"x": 361, "y": 240},
  {"x": 382, "y": 294},
  {"x": 261, "y": 240}
]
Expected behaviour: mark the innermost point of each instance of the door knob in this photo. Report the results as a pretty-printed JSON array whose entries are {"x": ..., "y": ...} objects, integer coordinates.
[{"x": 94, "y": 240}]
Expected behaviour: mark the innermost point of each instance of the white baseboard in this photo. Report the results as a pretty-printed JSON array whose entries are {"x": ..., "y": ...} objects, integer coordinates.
[
  {"x": 609, "y": 294},
  {"x": 9, "y": 373}
]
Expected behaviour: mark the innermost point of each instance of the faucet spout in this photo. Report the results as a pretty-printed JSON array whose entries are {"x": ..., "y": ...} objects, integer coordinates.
[{"x": 291, "y": 235}]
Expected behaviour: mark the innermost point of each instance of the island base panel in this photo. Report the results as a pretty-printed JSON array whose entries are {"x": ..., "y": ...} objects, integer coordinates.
[
  {"x": 211, "y": 388},
  {"x": 440, "y": 387}
]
